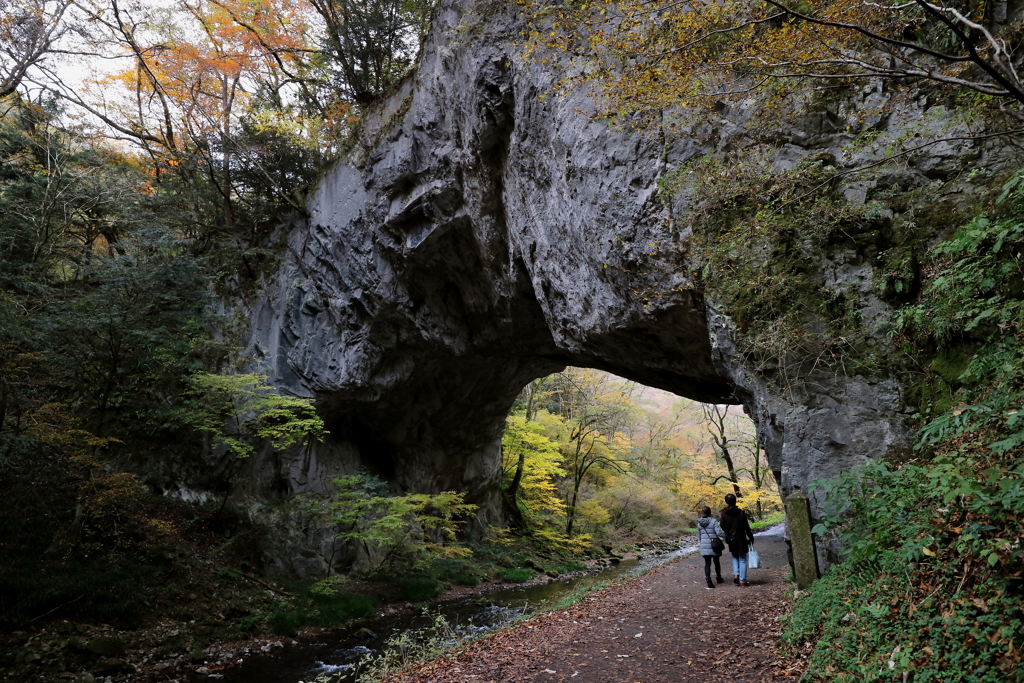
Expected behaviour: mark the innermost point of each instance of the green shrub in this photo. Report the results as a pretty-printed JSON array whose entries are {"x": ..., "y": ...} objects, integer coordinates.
[
  {"x": 333, "y": 610},
  {"x": 467, "y": 580},
  {"x": 286, "y": 621},
  {"x": 250, "y": 623},
  {"x": 515, "y": 575},
  {"x": 566, "y": 567},
  {"x": 227, "y": 574},
  {"x": 411, "y": 531},
  {"x": 446, "y": 568},
  {"x": 867, "y": 622},
  {"x": 419, "y": 588}
]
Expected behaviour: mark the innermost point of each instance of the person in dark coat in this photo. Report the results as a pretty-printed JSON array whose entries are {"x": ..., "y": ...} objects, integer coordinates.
[
  {"x": 739, "y": 538},
  {"x": 707, "y": 531}
]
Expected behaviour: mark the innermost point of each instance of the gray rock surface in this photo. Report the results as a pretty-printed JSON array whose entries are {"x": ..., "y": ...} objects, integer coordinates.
[
  {"x": 482, "y": 240},
  {"x": 481, "y": 236}
]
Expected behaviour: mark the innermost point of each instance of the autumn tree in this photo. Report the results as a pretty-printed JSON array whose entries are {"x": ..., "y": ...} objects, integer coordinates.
[
  {"x": 765, "y": 490},
  {"x": 715, "y": 416},
  {"x": 191, "y": 73},
  {"x": 29, "y": 32},
  {"x": 651, "y": 56},
  {"x": 656, "y": 449},
  {"x": 530, "y": 463},
  {"x": 735, "y": 443},
  {"x": 628, "y": 462},
  {"x": 516, "y": 471},
  {"x": 597, "y": 412}
]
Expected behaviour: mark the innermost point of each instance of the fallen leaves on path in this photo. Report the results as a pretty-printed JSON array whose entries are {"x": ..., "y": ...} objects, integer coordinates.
[{"x": 664, "y": 626}]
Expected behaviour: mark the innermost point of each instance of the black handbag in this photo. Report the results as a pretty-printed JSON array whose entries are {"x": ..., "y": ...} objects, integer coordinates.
[{"x": 716, "y": 543}]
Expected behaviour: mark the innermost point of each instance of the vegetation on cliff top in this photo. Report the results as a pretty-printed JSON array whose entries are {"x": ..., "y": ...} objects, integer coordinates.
[{"x": 660, "y": 63}]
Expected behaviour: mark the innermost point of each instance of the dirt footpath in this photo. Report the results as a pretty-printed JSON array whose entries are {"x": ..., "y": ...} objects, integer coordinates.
[{"x": 665, "y": 626}]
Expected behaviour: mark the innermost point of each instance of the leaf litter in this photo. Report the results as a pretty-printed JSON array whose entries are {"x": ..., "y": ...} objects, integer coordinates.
[{"x": 682, "y": 632}]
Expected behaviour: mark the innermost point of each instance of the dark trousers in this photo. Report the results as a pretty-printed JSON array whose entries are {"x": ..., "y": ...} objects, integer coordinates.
[{"x": 707, "y": 566}]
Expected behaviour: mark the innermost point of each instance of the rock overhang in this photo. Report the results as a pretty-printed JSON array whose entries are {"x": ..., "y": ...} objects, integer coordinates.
[{"x": 482, "y": 236}]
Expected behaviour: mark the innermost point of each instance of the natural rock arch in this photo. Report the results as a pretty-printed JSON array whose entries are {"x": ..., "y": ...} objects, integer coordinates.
[{"x": 482, "y": 236}]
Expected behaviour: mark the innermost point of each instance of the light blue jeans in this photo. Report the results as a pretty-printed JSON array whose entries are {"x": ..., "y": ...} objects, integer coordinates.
[{"x": 739, "y": 566}]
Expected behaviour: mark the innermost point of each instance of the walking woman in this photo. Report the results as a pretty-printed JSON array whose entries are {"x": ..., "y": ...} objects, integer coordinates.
[
  {"x": 711, "y": 546},
  {"x": 738, "y": 536}
]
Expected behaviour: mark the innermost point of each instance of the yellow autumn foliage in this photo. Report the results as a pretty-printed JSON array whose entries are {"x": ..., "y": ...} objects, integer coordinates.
[
  {"x": 541, "y": 459},
  {"x": 609, "y": 458},
  {"x": 701, "y": 58}
]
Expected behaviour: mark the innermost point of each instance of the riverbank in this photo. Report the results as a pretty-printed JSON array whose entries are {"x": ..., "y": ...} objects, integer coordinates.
[{"x": 190, "y": 646}]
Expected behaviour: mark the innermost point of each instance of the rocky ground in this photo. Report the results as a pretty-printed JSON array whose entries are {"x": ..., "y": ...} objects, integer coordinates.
[
  {"x": 87, "y": 654},
  {"x": 664, "y": 626}
]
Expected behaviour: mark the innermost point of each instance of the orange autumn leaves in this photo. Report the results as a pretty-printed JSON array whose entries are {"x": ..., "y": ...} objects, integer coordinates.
[{"x": 193, "y": 72}]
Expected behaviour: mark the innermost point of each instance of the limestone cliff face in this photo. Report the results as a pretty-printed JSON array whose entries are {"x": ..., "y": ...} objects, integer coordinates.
[
  {"x": 482, "y": 236},
  {"x": 481, "y": 239}
]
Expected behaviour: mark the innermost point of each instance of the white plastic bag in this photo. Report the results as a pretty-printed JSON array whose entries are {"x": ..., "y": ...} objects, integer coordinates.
[{"x": 753, "y": 559}]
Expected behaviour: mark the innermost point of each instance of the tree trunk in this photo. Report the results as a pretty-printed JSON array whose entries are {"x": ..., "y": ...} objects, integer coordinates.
[
  {"x": 511, "y": 494},
  {"x": 571, "y": 513},
  {"x": 727, "y": 457},
  {"x": 513, "y": 513}
]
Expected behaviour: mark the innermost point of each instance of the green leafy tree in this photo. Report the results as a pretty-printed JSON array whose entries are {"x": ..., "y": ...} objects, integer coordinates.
[
  {"x": 94, "y": 281},
  {"x": 65, "y": 201},
  {"x": 238, "y": 410},
  {"x": 530, "y": 462},
  {"x": 128, "y": 339},
  {"x": 399, "y": 530},
  {"x": 372, "y": 43}
]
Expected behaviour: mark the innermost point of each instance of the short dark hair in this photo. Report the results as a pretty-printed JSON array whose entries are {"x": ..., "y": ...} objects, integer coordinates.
[
  {"x": 705, "y": 511},
  {"x": 730, "y": 499}
]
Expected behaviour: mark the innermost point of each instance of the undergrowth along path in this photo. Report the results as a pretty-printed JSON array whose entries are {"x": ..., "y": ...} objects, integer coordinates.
[{"x": 663, "y": 626}]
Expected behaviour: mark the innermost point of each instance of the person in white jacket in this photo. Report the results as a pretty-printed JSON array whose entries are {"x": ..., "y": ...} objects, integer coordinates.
[{"x": 709, "y": 531}]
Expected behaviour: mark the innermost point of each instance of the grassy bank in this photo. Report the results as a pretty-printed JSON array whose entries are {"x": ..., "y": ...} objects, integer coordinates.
[
  {"x": 931, "y": 586},
  {"x": 769, "y": 521}
]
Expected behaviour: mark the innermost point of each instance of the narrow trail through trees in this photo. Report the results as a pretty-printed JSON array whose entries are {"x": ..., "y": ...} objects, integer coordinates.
[{"x": 664, "y": 626}]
